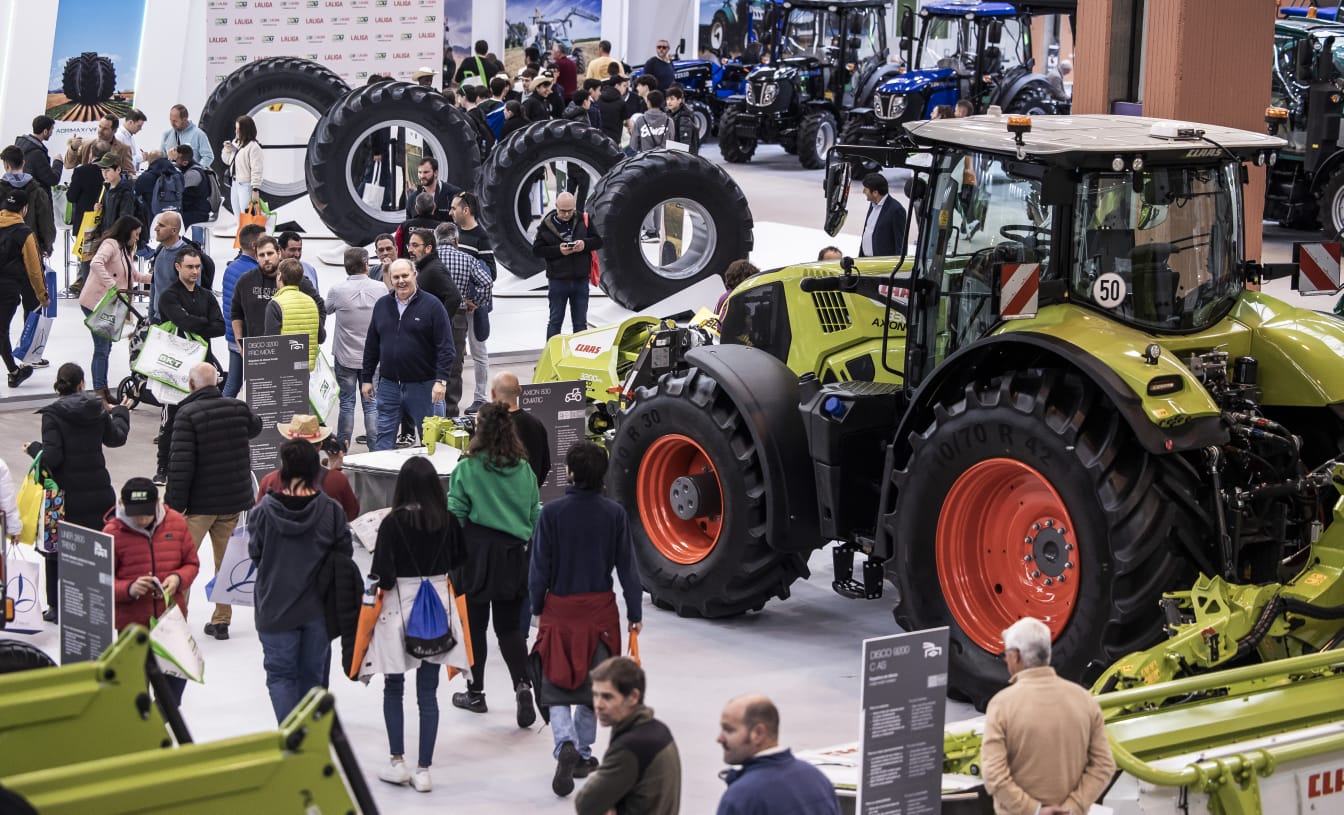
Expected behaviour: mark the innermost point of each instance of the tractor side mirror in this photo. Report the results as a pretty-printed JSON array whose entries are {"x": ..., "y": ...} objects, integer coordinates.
[
  {"x": 1318, "y": 268},
  {"x": 838, "y": 176},
  {"x": 681, "y": 48},
  {"x": 907, "y": 25},
  {"x": 1304, "y": 61},
  {"x": 1325, "y": 65},
  {"x": 1017, "y": 290},
  {"x": 994, "y": 32}
]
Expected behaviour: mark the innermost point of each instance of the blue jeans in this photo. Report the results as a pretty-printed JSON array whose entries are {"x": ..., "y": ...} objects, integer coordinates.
[
  {"x": 575, "y": 724},
  {"x": 102, "y": 349},
  {"x": 426, "y": 687},
  {"x": 234, "y": 381},
  {"x": 348, "y": 379},
  {"x": 295, "y": 662},
  {"x": 395, "y": 397},
  {"x": 573, "y": 293}
]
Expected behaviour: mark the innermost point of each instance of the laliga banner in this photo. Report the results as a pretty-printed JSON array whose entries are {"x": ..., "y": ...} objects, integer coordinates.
[{"x": 354, "y": 38}]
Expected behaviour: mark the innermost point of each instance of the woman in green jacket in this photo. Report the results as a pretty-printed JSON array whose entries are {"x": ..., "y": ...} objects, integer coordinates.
[{"x": 494, "y": 495}]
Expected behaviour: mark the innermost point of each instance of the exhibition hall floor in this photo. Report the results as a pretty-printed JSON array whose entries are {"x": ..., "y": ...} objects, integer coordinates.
[{"x": 804, "y": 652}]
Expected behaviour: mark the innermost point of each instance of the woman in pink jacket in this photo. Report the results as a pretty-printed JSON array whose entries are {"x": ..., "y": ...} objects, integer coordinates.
[{"x": 112, "y": 267}]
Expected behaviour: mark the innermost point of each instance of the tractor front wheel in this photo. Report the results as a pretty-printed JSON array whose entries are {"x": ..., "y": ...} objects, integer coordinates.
[
  {"x": 1029, "y": 496},
  {"x": 692, "y": 480}
]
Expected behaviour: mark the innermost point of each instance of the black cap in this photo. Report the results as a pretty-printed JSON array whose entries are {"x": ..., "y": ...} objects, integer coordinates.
[
  {"x": 15, "y": 201},
  {"x": 140, "y": 496}
]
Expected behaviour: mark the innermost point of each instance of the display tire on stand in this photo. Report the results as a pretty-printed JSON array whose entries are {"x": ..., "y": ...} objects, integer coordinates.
[
  {"x": 511, "y": 164},
  {"x": 89, "y": 79},
  {"x": 816, "y": 136},
  {"x": 635, "y": 187},
  {"x": 16, "y": 655},
  {"x": 254, "y": 87},
  {"x": 340, "y": 138},
  {"x": 1019, "y": 480},
  {"x": 683, "y": 426},
  {"x": 734, "y": 148}
]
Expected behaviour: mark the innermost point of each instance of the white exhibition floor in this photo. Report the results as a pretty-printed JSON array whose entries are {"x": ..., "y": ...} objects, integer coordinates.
[{"x": 803, "y": 652}]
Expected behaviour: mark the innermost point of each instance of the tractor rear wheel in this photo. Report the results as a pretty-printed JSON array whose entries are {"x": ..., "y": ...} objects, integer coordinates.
[
  {"x": 1047, "y": 507},
  {"x": 1033, "y": 100},
  {"x": 1330, "y": 205},
  {"x": 692, "y": 480}
]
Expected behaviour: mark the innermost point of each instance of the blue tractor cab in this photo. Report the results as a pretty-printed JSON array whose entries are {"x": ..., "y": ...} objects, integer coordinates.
[{"x": 978, "y": 51}]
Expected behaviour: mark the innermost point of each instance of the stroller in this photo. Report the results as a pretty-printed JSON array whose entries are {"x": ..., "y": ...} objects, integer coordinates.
[{"x": 137, "y": 388}]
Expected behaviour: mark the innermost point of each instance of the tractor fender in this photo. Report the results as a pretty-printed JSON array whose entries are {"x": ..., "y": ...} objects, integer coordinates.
[
  {"x": 1028, "y": 349},
  {"x": 765, "y": 392},
  {"x": 864, "y": 95}
]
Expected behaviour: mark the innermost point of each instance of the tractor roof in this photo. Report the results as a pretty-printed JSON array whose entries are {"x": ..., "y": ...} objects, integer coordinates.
[
  {"x": 1303, "y": 26},
  {"x": 961, "y": 8},
  {"x": 1322, "y": 12},
  {"x": 836, "y": 4},
  {"x": 1092, "y": 140}
]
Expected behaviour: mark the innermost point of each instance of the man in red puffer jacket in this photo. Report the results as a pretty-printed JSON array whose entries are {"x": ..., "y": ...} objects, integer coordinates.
[{"x": 150, "y": 541}]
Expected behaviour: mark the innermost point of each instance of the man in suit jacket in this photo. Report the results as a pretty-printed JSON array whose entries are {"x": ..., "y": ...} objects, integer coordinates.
[{"x": 884, "y": 226}]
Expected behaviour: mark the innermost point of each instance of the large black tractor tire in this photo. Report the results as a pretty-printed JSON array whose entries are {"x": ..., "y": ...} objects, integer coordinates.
[
  {"x": 688, "y": 420},
  {"x": 1330, "y": 205},
  {"x": 1028, "y": 495},
  {"x": 720, "y": 33},
  {"x": 89, "y": 79},
  {"x": 734, "y": 148},
  {"x": 816, "y": 136},
  {"x": 624, "y": 197},
  {"x": 1033, "y": 100},
  {"x": 16, "y": 655},
  {"x": 512, "y": 165},
  {"x": 256, "y": 86},
  {"x": 340, "y": 141}
]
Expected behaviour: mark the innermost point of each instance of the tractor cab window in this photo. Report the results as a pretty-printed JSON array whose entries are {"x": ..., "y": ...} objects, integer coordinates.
[
  {"x": 865, "y": 36},
  {"x": 810, "y": 33},
  {"x": 1009, "y": 52},
  {"x": 945, "y": 43},
  {"x": 983, "y": 216},
  {"x": 1159, "y": 248}
]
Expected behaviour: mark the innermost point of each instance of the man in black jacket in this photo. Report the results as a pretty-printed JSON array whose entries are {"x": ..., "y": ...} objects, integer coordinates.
[
  {"x": 428, "y": 174},
  {"x": 193, "y": 309},
  {"x": 210, "y": 477},
  {"x": 684, "y": 127},
  {"x": 566, "y": 242},
  {"x": 254, "y": 290},
  {"x": 611, "y": 106},
  {"x": 37, "y": 162},
  {"x": 430, "y": 273},
  {"x": 884, "y": 225},
  {"x": 410, "y": 343}
]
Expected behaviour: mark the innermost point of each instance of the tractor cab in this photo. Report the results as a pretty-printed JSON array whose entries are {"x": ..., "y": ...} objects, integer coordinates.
[{"x": 1137, "y": 219}]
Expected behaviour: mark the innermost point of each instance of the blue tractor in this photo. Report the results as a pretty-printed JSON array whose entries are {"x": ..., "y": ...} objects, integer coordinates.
[
  {"x": 708, "y": 85},
  {"x": 978, "y": 51}
]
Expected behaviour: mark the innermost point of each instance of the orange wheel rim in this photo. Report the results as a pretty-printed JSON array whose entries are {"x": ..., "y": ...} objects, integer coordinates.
[
  {"x": 1006, "y": 549},
  {"x": 680, "y": 499}
]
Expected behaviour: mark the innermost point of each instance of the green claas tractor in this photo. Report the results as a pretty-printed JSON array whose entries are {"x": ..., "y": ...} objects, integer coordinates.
[{"x": 1067, "y": 403}]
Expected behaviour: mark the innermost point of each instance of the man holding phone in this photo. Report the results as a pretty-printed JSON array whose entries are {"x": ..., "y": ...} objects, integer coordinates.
[{"x": 566, "y": 242}]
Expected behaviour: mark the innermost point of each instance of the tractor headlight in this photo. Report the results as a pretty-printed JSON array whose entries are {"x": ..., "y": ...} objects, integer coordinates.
[
  {"x": 890, "y": 106},
  {"x": 769, "y": 92}
]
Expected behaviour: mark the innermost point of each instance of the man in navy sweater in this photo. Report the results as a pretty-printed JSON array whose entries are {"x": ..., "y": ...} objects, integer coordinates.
[
  {"x": 579, "y": 539},
  {"x": 411, "y": 338},
  {"x": 770, "y": 780}
]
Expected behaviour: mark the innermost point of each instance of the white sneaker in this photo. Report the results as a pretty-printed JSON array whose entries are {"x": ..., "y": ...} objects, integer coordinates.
[
  {"x": 396, "y": 773},
  {"x": 421, "y": 780}
]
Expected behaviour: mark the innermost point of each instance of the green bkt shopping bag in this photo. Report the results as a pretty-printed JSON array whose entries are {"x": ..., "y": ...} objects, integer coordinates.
[
  {"x": 108, "y": 318},
  {"x": 324, "y": 391},
  {"x": 167, "y": 358},
  {"x": 172, "y": 644}
]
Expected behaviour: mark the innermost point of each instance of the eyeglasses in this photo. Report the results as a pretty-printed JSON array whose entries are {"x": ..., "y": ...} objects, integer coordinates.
[{"x": 662, "y": 48}]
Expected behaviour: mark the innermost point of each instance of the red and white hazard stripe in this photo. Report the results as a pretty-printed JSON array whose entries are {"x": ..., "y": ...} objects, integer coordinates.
[
  {"x": 1019, "y": 291},
  {"x": 1320, "y": 267}
]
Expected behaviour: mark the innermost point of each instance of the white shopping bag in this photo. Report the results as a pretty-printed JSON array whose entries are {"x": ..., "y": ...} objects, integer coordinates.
[
  {"x": 236, "y": 581},
  {"x": 23, "y": 587},
  {"x": 33, "y": 341},
  {"x": 375, "y": 187},
  {"x": 324, "y": 391},
  {"x": 173, "y": 646},
  {"x": 365, "y": 527},
  {"x": 168, "y": 358}
]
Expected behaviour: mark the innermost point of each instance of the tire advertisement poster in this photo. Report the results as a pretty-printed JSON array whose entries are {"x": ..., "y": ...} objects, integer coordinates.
[
  {"x": 93, "y": 66},
  {"x": 353, "y": 38},
  {"x": 575, "y": 24},
  {"x": 728, "y": 26}
]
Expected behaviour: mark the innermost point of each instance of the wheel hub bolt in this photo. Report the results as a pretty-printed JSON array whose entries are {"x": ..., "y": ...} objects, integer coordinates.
[
  {"x": 1035, "y": 527},
  {"x": 1062, "y": 577},
  {"x": 1068, "y": 564},
  {"x": 1068, "y": 547},
  {"x": 1049, "y": 582},
  {"x": 1049, "y": 524},
  {"x": 1026, "y": 558},
  {"x": 1027, "y": 540},
  {"x": 1036, "y": 573}
]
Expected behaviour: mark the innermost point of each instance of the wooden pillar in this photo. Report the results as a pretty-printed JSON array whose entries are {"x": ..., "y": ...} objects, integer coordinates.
[
  {"x": 1210, "y": 61},
  {"x": 1101, "y": 65}
]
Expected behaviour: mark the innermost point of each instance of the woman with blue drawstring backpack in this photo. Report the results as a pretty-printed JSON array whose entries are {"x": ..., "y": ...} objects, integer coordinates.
[{"x": 418, "y": 627}]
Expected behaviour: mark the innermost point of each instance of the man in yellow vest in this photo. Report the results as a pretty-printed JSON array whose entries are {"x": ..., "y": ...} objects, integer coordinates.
[{"x": 291, "y": 311}]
